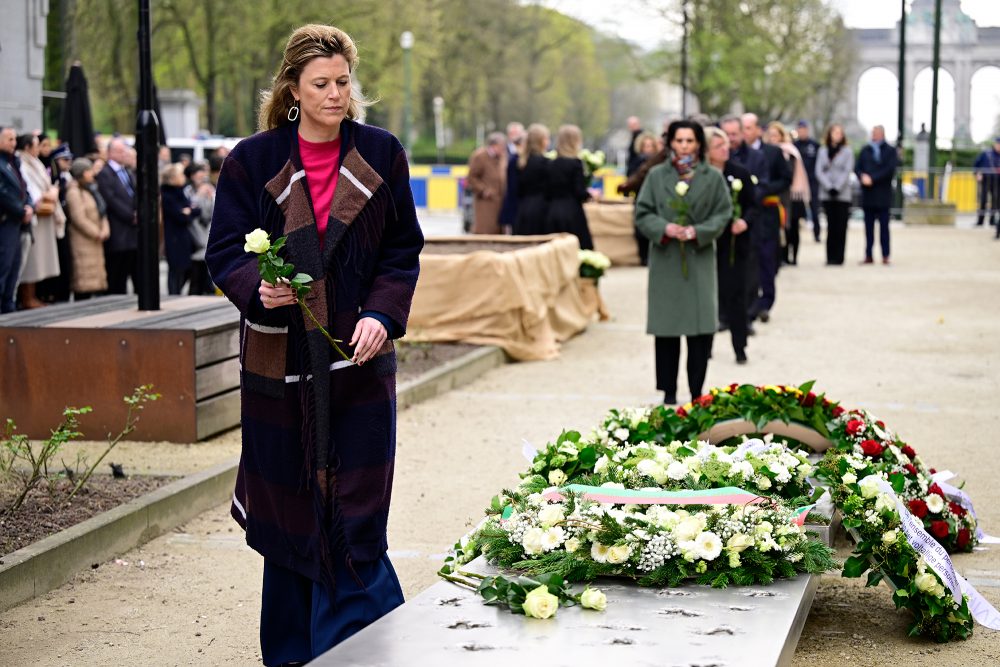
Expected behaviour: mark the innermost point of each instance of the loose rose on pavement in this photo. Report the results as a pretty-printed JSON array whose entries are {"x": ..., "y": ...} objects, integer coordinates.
[
  {"x": 594, "y": 598},
  {"x": 539, "y": 603}
]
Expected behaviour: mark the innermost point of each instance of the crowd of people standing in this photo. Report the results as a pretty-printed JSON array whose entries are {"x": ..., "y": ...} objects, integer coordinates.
[
  {"x": 519, "y": 187},
  {"x": 69, "y": 224}
]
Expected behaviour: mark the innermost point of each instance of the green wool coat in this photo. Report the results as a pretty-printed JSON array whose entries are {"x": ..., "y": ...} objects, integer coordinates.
[{"x": 679, "y": 306}]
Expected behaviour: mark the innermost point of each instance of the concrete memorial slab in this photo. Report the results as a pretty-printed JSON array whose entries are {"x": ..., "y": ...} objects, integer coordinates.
[{"x": 692, "y": 625}]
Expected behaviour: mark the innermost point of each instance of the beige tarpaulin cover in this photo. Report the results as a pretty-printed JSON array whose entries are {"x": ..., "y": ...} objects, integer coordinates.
[
  {"x": 525, "y": 301},
  {"x": 613, "y": 231}
]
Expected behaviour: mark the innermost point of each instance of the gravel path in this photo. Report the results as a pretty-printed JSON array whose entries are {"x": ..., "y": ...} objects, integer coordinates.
[{"x": 916, "y": 343}]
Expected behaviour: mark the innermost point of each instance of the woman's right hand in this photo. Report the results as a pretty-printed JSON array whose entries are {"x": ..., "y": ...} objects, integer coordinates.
[{"x": 276, "y": 296}]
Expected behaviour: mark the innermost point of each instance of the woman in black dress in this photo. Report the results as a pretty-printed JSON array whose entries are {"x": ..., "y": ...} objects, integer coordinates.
[
  {"x": 533, "y": 182},
  {"x": 568, "y": 188}
]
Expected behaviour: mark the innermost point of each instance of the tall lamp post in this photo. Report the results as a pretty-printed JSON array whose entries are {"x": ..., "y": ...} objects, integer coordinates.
[
  {"x": 406, "y": 42},
  {"x": 936, "y": 65},
  {"x": 684, "y": 60},
  {"x": 147, "y": 135},
  {"x": 901, "y": 114}
]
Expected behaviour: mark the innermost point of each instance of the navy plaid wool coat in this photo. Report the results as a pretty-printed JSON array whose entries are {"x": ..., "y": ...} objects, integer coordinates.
[{"x": 319, "y": 434}]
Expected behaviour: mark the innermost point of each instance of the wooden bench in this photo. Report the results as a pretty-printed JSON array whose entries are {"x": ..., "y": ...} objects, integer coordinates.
[
  {"x": 686, "y": 626},
  {"x": 95, "y": 352}
]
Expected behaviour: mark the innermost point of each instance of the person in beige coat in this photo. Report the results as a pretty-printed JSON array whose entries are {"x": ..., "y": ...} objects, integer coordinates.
[
  {"x": 41, "y": 260},
  {"x": 88, "y": 230},
  {"x": 487, "y": 180}
]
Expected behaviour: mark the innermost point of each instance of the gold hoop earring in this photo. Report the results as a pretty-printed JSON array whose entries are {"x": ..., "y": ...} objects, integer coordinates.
[{"x": 292, "y": 117}]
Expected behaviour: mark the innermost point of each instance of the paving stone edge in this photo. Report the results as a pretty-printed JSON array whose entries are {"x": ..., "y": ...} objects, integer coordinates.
[{"x": 52, "y": 561}]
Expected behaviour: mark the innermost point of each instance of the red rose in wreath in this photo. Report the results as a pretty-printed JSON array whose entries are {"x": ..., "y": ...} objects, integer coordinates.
[
  {"x": 910, "y": 468},
  {"x": 837, "y": 411},
  {"x": 939, "y": 529},
  {"x": 681, "y": 412},
  {"x": 854, "y": 426},
  {"x": 936, "y": 489},
  {"x": 809, "y": 400},
  {"x": 872, "y": 448},
  {"x": 906, "y": 449},
  {"x": 918, "y": 508},
  {"x": 956, "y": 509},
  {"x": 704, "y": 401},
  {"x": 963, "y": 538}
]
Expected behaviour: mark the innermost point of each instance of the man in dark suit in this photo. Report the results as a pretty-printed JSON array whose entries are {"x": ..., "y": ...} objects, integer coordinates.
[
  {"x": 508, "y": 210},
  {"x": 876, "y": 167},
  {"x": 15, "y": 213},
  {"x": 809, "y": 150},
  {"x": 117, "y": 185}
]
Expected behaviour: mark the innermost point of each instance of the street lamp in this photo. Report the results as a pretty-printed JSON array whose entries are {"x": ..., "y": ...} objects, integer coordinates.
[
  {"x": 406, "y": 42},
  {"x": 439, "y": 127}
]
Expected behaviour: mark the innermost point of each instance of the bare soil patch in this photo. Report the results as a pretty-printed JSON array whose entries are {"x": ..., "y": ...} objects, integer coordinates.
[{"x": 45, "y": 513}]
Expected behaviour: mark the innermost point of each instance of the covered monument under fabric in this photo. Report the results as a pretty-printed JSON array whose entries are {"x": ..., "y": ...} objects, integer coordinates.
[
  {"x": 77, "y": 127},
  {"x": 613, "y": 230},
  {"x": 526, "y": 300}
]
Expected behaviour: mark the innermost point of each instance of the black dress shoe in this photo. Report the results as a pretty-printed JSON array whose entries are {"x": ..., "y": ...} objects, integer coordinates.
[
  {"x": 764, "y": 316},
  {"x": 669, "y": 399},
  {"x": 741, "y": 357},
  {"x": 751, "y": 331}
]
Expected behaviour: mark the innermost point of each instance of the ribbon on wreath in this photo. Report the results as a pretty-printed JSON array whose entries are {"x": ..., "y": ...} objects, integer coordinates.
[
  {"x": 728, "y": 495},
  {"x": 938, "y": 560},
  {"x": 962, "y": 498}
]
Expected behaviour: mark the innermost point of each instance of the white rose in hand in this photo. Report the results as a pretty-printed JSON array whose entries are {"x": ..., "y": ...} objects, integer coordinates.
[
  {"x": 682, "y": 188},
  {"x": 257, "y": 242},
  {"x": 539, "y": 603}
]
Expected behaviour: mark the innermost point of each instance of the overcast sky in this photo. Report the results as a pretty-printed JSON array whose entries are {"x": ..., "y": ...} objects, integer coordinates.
[{"x": 639, "y": 23}]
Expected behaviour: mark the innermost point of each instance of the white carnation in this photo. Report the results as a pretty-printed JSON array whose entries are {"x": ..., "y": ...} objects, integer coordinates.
[
  {"x": 532, "y": 541},
  {"x": 677, "y": 470},
  {"x": 935, "y": 503}
]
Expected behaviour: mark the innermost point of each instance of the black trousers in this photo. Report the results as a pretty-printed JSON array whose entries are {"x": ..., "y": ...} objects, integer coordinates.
[
  {"x": 201, "y": 282},
  {"x": 732, "y": 298},
  {"x": 797, "y": 211},
  {"x": 668, "y": 357},
  {"x": 989, "y": 189},
  {"x": 814, "y": 207},
  {"x": 121, "y": 265},
  {"x": 837, "y": 213},
  {"x": 881, "y": 216},
  {"x": 177, "y": 277}
]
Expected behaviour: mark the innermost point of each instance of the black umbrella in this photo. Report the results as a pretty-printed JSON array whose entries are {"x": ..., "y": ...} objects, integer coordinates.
[{"x": 77, "y": 127}]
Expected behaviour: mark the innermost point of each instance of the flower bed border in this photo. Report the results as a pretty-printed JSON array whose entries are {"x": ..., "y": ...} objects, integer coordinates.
[{"x": 54, "y": 560}]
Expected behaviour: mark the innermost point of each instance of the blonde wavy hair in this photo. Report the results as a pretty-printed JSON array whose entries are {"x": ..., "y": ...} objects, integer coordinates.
[
  {"x": 535, "y": 143},
  {"x": 569, "y": 141},
  {"x": 308, "y": 42}
]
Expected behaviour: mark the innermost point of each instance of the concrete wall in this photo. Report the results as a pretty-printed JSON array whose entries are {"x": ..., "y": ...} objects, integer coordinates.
[{"x": 22, "y": 62}]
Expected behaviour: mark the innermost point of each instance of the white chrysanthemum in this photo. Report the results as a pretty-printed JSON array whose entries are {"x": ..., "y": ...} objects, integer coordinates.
[
  {"x": 599, "y": 552},
  {"x": 552, "y": 538},
  {"x": 532, "y": 541},
  {"x": 709, "y": 545},
  {"x": 935, "y": 503}
]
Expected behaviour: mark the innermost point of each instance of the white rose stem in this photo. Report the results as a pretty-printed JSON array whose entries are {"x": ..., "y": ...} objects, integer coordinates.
[
  {"x": 940, "y": 478},
  {"x": 939, "y": 561}
]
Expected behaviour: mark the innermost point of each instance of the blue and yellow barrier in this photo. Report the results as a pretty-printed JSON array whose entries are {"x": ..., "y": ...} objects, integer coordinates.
[{"x": 440, "y": 186}]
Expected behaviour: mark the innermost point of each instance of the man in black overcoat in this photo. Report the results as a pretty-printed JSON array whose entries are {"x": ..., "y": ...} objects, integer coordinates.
[
  {"x": 876, "y": 167},
  {"x": 118, "y": 187},
  {"x": 809, "y": 150}
]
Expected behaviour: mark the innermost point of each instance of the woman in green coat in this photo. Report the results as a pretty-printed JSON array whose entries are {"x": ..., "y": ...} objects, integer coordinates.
[{"x": 683, "y": 206}]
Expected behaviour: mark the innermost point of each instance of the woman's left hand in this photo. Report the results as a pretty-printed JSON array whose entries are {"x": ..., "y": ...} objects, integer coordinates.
[{"x": 369, "y": 337}]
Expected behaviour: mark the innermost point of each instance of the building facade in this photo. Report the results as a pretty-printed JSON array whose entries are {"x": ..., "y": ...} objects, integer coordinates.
[{"x": 23, "y": 35}]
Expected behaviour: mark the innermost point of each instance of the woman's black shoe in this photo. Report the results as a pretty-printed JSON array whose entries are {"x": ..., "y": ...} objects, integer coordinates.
[
  {"x": 669, "y": 399},
  {"x": 741, "y": 357}
]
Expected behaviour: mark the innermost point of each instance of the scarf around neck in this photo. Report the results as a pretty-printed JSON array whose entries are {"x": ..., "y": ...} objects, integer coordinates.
[{"x": 685, "y": 166}]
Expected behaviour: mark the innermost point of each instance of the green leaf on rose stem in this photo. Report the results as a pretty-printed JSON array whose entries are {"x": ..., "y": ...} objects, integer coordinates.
[
  {"x": 874, "y": 577},
  {"x": 855, "y": 567},
  {"x": 279, "y": 244},
  {"x": 277, "y": 261},
  {"x": 807, "y": 387}
]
